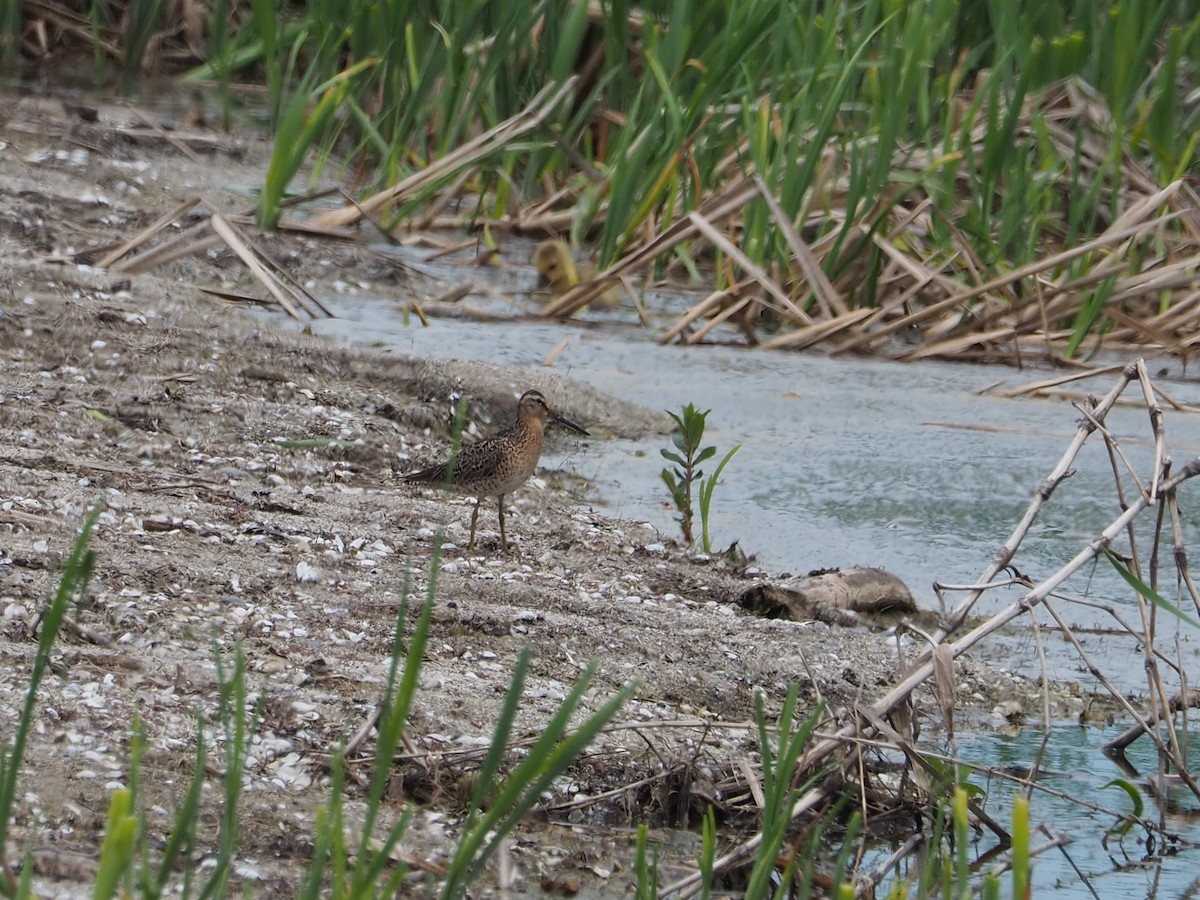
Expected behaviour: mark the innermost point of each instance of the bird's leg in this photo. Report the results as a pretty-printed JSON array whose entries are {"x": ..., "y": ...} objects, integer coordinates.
[
  {"x": 503, "y": 539},
  {"x": 474, "y": 520}
]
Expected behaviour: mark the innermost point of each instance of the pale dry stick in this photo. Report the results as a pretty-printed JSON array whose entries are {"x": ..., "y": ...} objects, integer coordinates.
[
  {"x": 725, "y": 314},
  {"x": 918, "y": 270},
  {"x": 716, "y": 208},
  {"x": 444, "y": 199},
  {"x": 576, "y": 159},
  {"x": 755, "y": 271},
  {"x": 566, "y": 194},
  {"x": 455, "y": 292},
  {"x": 920, "y": 760},
  {"x": 1118, "y": 745},
  {"x": 554, "y": 222},
  {"x": 865, "y": 335},
  {"x": 506, "y": 877},
  {"x": 963, "y": 247},
  {"x": 1036, "y": 386},
  {"x": 1138, "y": 285},
  {"x": 1045, "y": 667},
  {"x": 1131, "y": 330},
  {"x": 753, "y": 783},
  {"x": 943, "y": 679},
  {"x": 940, "y": 586},
  {"x": 1054, "y": 302},
  {"x": 449, "y": 250},
  {"x": 828, "y": 297},
  {"x": 553, "y": 355},
  {"x": 811, "y": 759},
  {"x": 379, "y": 227},
  {"x": 1156, "y": 425},
  {"x": 1034, "y": 852},
  {"x": 1043, "y": 319},
  {"x": 708, "y": 305},
  {"x": 593, "y": 799},
  {"x": 167, "y": 136},
  {"x": 636, "y": 300},
  {"x": 356, "y": 741},
  {"x": 1006, "y": 774},
  {"x": 864, "y": 885},
  {"x": 542, "y": 104},
  {"x": 1181, "y": 316},
  {"x": 1115, "y": 453},
  {"x": 1116, "y": 616},
  {"x": 821, "y": 184},
  {"x": 187, "y": 242},
  {"x": 1157, "y": 688},
  {"x": 1180, "y": 553},
  {"x": 148, "y": 232},
  {"x": 1081, "y": 396},
  {"x": 1170, "y": 277},
  {"x": 955, "y": 346},
  {"x": 229, "y": 235},
  {"x": 819, "y": 331},
  {"x": 279, "y": 271}
]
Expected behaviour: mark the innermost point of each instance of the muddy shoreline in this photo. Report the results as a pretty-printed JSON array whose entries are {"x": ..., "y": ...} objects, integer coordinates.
[{"x": 251, "y": 488}]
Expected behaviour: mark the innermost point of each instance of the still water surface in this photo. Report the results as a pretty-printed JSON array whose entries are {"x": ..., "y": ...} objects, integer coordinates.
[{"x": 858, "y": 461}]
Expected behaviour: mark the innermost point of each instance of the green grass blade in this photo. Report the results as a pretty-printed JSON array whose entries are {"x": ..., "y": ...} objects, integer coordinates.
[
  {"x": 1146, "y": 591},
  {"x": 71, "y": 586}
]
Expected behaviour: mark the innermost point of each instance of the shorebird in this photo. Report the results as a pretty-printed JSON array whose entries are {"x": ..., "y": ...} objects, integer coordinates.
[
  {"x": 500, "y": 464},
  {"x": 558, "y": 273}
]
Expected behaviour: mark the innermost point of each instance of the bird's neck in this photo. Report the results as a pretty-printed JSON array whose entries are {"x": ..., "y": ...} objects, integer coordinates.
[{"x": 536, "y": 429}]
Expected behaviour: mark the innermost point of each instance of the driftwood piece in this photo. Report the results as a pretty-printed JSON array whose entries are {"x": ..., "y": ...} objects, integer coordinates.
[
  {"x": 1118, "y": 745},
  {"x": 853, "y": 596}
]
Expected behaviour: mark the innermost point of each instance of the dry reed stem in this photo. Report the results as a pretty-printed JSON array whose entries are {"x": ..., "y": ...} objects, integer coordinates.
[
  {"x": 192, "y": 240},
  {"x": 755, "y": 271},
  {"x": 710, "y": 304},
  {"x": 828, "y": 297},
  {"x": 106, "y": 261},
  {"x": 1039, "y": 386},
  {"x": 542, "y": 104},
  {"x": 820, "y": 331},
  {"x": 229, "y": 234},
  {"x": 1189, "y": 698},
  {"x": 715, "y": 209}
]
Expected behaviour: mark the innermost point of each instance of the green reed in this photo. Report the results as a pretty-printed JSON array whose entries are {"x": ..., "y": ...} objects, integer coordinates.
[{"x": 72, "y": 587}]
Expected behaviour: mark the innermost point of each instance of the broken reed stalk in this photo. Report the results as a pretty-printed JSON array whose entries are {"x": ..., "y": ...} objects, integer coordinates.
[
  {"x": 870, "y": 718},
  {"x": 531, "y": 117},
  {"x": 715, "y": 209}
]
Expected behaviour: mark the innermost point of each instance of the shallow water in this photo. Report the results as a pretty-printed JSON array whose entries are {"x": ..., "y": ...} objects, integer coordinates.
[
  {"x": 1072, "y": 766},
  {"x": 859, "y": 461}
]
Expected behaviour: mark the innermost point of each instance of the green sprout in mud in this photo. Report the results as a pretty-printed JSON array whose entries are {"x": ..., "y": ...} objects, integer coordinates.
[{"x": 687, "y": 456}]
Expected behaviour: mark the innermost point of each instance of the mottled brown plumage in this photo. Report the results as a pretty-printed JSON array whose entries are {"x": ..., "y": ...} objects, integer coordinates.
[{"x": 500, "y": 464}]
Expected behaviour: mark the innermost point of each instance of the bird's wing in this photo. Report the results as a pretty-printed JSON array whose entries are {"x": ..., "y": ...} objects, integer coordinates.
[
  {"x": 433, "y": 475},
  {"x": 473, "y": 459}
]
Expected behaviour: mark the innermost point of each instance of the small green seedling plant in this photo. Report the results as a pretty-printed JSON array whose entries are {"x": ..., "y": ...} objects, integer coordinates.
[{"x": 687, "y": 456}]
